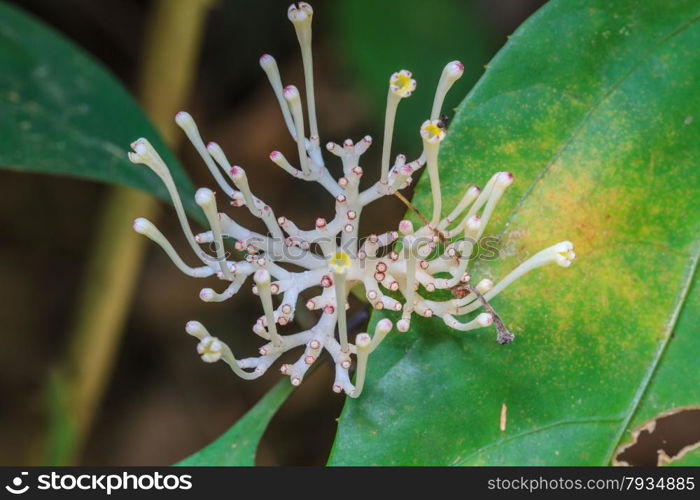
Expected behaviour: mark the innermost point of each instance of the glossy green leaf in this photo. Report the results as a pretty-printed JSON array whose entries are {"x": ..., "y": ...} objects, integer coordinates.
[
  {"x": 594, "y": 106},
  {"x": 61, "y": 112},
  {"x": 237, "y": 446}
]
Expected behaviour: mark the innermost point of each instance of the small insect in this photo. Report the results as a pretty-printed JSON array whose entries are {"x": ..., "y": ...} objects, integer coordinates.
[{"x": 443, "y": 122}]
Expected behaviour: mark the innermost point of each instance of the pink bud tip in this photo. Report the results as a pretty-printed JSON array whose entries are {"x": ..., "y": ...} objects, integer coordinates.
[
  {"x": 402, "y": 325},
  {"x": 406, "y": 226},
  {"x": 290, "y": 92},
  {"x": 266, "y": 59},
  {"x": 182, "y": 116}
]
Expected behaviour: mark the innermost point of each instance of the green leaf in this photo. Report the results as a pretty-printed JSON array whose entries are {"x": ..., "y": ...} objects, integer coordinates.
[
  {"x": 61, "y": 112},
  {"x": 676, "y": 381},
  {"x": 691, "y": 458},
  {"x": 594, "y": 107},
  {"x": 237, "y": 446}
]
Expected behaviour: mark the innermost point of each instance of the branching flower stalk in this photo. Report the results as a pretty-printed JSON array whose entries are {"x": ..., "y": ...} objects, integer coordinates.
[{"x": 409, "y": 263}]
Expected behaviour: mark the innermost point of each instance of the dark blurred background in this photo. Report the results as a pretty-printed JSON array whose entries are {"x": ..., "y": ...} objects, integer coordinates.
[{"x": 162, "y": 402}]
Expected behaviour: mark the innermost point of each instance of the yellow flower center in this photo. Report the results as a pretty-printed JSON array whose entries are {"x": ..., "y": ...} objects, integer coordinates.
[
  {"x": 402, "y": 84},
  {"x": 433, "y": 130},
  {"x": 339, "y": 262}
]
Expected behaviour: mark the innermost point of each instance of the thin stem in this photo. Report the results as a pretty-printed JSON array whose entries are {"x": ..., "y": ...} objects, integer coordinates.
[{"x": 392, "y": 103}]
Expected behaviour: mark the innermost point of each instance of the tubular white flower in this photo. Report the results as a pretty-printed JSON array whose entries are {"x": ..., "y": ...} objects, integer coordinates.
[
  {"x": 401, "y": 85},
  {"x": 383, "y": 327},
  {"x": 269, "y": 66},
  {"x": 325, "y": 261},
  {"x": 146, "y": 227},
  {"x": 291, "y": 94},
  {"x": 410, "y": 247},
  {"x": 187, "y": 124},
  {"x": 206, "y": 200},
  {"x": 340, "y": 264},
  {"x": 262, "y": 281},
  {"x": 212, "y": 349},
  {"x": 364, "y": 347},
  {"x": 143, "y": 153},
  {"x": 471, "y": 194},
  {"x": 432, "y": 134},
  {"x": 481, "y": 321},
  {"x": 301, "y": 14},
  {"x": 279, "y": 160},
  {"x": 561, "y": 254},
  {"x": 451, "y": 73}
]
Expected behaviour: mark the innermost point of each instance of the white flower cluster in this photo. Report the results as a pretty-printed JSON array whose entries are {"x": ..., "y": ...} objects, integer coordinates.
[{"x": 410, "y": 262}]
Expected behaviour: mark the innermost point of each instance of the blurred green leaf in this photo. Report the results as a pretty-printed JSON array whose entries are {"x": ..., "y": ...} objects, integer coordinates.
[
  {"x": 594, "y": 107},
  {"x": 380, "y": 38},
  {"x": 61, "y": 112},
  {"x": 237, "y": 446}
]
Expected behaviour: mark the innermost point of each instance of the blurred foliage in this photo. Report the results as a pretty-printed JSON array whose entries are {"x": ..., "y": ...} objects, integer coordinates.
[
  {"x": 380, "y": 38},
  {"x": 61, "y": 112}
]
